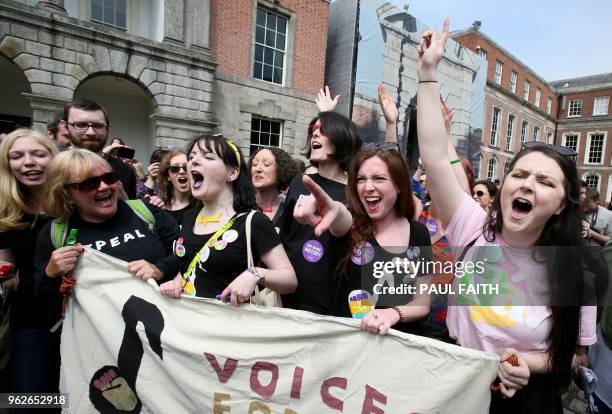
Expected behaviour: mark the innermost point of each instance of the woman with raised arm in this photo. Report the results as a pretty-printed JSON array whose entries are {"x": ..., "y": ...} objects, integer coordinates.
[
  {"x": 25, "y": 156},
  {"x": 212, "y": 245},
  {"x": 538, "y": 206}
]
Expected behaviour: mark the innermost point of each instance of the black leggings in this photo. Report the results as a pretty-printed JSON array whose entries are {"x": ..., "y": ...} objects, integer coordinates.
[{"x": 540, "y": 396}]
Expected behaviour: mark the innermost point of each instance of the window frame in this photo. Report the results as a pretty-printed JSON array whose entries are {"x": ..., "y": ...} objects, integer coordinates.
[
  {"x": 536, "y": 132},
  {"x": 114, "y": 26},
  {"x": 497, "y": 76},
  {"x": 526, "y": 89},
  {"x": 524, "y": 131},
  {"x": 587, "y": 148},
  {"x": 570, "y": 134},
  {"x": 590, "y": 174},
  {"x": 513, "y": 81},
  {"x": 491, "y": 165},
  {"x": 607, "y": 107},
  {"x": 576, "y": 107},
  {"x": 538, "y": 97},
  {"x": 549, "y": 105},
  {"x": 493, "y": 139},
  {"x": 259, "y": 145},
  {"x": 510, "y": 132}
]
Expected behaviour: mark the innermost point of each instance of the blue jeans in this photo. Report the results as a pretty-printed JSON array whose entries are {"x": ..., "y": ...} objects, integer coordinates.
[{"x": 35, "y": 362}]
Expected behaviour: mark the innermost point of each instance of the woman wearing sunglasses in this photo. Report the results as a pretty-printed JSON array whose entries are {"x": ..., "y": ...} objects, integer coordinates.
[
  {"x": 484, "y": 193},
  {"x": 538, "y": 205},
  {"x": 173, "y": 183},
  {"x": 272, "y": 170},
  {"x": 25, "y": 156},
  {"x": 84, "y": 191},
  {"x": 212, "y": 246}
]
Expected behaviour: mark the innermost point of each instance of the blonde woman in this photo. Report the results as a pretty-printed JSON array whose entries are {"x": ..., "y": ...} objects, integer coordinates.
[{"x": 25, "y": 155}]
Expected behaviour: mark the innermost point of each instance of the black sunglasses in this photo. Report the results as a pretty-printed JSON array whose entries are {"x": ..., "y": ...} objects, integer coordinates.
[
  {"x": 174, "y": 169},
  {"x": 479, "y": 194},
  {"x": 92, "y": 183},
  {"x": 382, "y": 147},
  {"x": 565, "y": 151}
]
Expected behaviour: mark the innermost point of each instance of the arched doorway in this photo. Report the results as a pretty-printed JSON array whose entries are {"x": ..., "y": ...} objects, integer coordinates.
[
  {"x": 129, "y": 107},
  {"x": 15, "y": 110}
]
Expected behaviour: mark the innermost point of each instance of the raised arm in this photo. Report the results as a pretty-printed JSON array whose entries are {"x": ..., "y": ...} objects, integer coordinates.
[
  {"x": 324, "y": 100},
  {"x": 442, "y": 184},
  {"x": 389, "y": 110}
]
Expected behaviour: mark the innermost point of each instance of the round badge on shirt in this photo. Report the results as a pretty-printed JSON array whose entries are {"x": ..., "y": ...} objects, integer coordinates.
[{"x": 312, "y": 251}]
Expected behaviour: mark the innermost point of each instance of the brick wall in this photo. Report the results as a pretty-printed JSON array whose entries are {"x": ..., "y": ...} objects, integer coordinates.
[
  {"x": 231, "y": 39},
  {"x": 588, "y": 100},
  {"x": 473, "y": 40}
]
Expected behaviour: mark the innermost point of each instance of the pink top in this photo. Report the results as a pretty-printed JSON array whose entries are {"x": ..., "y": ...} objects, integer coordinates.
[{"x": 494, "y": 328}]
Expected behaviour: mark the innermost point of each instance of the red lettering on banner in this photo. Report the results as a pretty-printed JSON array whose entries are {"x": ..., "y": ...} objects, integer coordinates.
[
  {"x": 296, "y": 385},
  {"x": 218, "y": 406},
  {"x": 228, "y": 368},
  {"x": 372, "y": 395},
  {"x": 266, "y": 391},
  {"x": 330, "y": 400}
]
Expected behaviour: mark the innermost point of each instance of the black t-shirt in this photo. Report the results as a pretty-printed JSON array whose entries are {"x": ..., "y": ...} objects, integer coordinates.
[
  {"x": 124, "y": 236},
  {"x": 178, "y": 215},
  {"x": 126, "y": 175},
  {"x": 314, "y": 259},
  {"x": 222, "y": 263},
  {"x": 364, "y": 270},
  {"x": 25, "y": 310}
]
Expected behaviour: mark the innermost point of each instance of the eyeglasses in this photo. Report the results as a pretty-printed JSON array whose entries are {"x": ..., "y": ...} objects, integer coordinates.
[
  {"x": 175, "y": 169},
  {"x": 565, "y": 151},
  {"x": 313, "y": 128},
  {"x": 383, "y": 147},
  {"x": 84, "y": 126},
  {"x": 92, "y": 183}
]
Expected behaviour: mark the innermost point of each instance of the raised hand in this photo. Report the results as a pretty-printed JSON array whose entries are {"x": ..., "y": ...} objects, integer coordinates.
[
  {"x": 324, "y": 100},
  {"x": 317, "y": 210},
  {"x": 431, "y": 50},
  {"x": 387, "y": 105}
]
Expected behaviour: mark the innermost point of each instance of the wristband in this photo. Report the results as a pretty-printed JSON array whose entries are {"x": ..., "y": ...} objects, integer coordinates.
[
  {"x": 428, "y": 81},
  {"x": 455, "y": 161},
  {"x": 255, "y": 274},
  {"x": 399, "y": 312}
]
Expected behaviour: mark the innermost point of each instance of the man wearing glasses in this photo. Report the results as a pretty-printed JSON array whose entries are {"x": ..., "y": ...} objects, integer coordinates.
[{"x": 88, "y": 128}]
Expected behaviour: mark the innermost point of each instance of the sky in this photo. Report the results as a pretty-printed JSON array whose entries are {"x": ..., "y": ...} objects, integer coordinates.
[{"x": 558, "y": 39}]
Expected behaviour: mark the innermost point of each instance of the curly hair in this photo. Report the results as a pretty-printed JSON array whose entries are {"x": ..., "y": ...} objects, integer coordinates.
[
  {"x": 286, "y": 166},
  {"x": 14, "y": 195}
]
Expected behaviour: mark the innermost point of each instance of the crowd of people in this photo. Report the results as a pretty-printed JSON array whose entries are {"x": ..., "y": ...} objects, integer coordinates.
[{"x": 314, "y": 236}]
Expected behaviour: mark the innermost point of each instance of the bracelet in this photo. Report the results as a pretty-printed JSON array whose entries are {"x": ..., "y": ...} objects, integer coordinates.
[
  {"x": 255, "y": 273},
  {"x": 399, "y": 312},
  {"x": 457, "y": 161},
  {"x": 428, "y": 81}
]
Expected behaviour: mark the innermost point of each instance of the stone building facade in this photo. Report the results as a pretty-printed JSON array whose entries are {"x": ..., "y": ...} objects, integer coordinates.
[
  {"x": 165, "y": 69},
  {"x": 519, "y": 107},
  {"x": 585, "y": 125}
]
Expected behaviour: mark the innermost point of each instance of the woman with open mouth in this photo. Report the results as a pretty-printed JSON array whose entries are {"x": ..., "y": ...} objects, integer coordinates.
[
  {"x": 272, "y": 170},
  {"x": 33, "y": 366},
  {"x": 174, "y": 186},
  {"x": 538, "y": 206},
  {"x": 212, "y": 245}
]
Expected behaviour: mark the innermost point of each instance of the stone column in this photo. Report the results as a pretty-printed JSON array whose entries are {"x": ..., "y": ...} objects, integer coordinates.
[
  {"x": 43, "y": 109},
  {"x": 56, "y": 6}
]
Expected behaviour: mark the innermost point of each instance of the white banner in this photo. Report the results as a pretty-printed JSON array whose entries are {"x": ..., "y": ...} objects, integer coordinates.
[{"x": 126, "y": 348}]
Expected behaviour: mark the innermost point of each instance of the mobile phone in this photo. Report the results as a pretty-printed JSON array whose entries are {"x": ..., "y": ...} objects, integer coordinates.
[{"x": 126, "y": 153}]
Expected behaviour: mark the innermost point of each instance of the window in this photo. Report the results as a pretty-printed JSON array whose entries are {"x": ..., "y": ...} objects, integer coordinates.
[
  {"x": 592, "y": 180},
  {"x": 506, "y": 168},
  {"x": 600, "y": 107},
  {"x": 495, "y": 126},
  {"x": 595, "y": 145},
  {"x": 481, "y": 52},
  {"x": 549, "y": 137},
  {"x": 571, "y": 141},
  {"x": 510, "y": 132},
  {"x": 538, "y": 96},
  {"x": 575, "y": 107},
  {"x": 513, "y": 81},
  {"x": 491, "y": 167},
  {"x": 270, "y": 46},
  {"x": 526, "y": 87},
  {"x": 499, "y": 67},
  {"x": 264, "y": 133},
  {"x": 536, "y": 133},
  {"x": 524, "y": 131},
  {"x": 549, "y": 105},
  {"x": 110, "y": 12}
]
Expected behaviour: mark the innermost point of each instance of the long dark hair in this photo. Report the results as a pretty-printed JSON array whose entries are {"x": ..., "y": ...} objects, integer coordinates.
[
  {"x": 342, "y": 132},
  {"x": 565, "y": 271},
  {"x": 242, "y": 187},
  {"x": 361, "y": 229}
]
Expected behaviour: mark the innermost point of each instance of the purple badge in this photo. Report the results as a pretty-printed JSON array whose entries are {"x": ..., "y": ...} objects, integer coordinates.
[
  {"x": 432, "y": 227},
  {"x": 312, "y": 251},
  {"x": 362, "y": 254}
]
